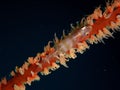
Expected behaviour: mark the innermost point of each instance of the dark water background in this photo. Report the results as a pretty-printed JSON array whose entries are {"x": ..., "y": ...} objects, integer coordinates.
[{"x": 26, "y": 27}]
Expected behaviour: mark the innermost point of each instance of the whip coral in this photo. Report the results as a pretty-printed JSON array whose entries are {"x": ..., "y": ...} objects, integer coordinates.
[{"x": 90, "y": 30}]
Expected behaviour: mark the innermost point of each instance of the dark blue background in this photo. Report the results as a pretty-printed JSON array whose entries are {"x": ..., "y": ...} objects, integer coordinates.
[{"x": 26, "y": 27}]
